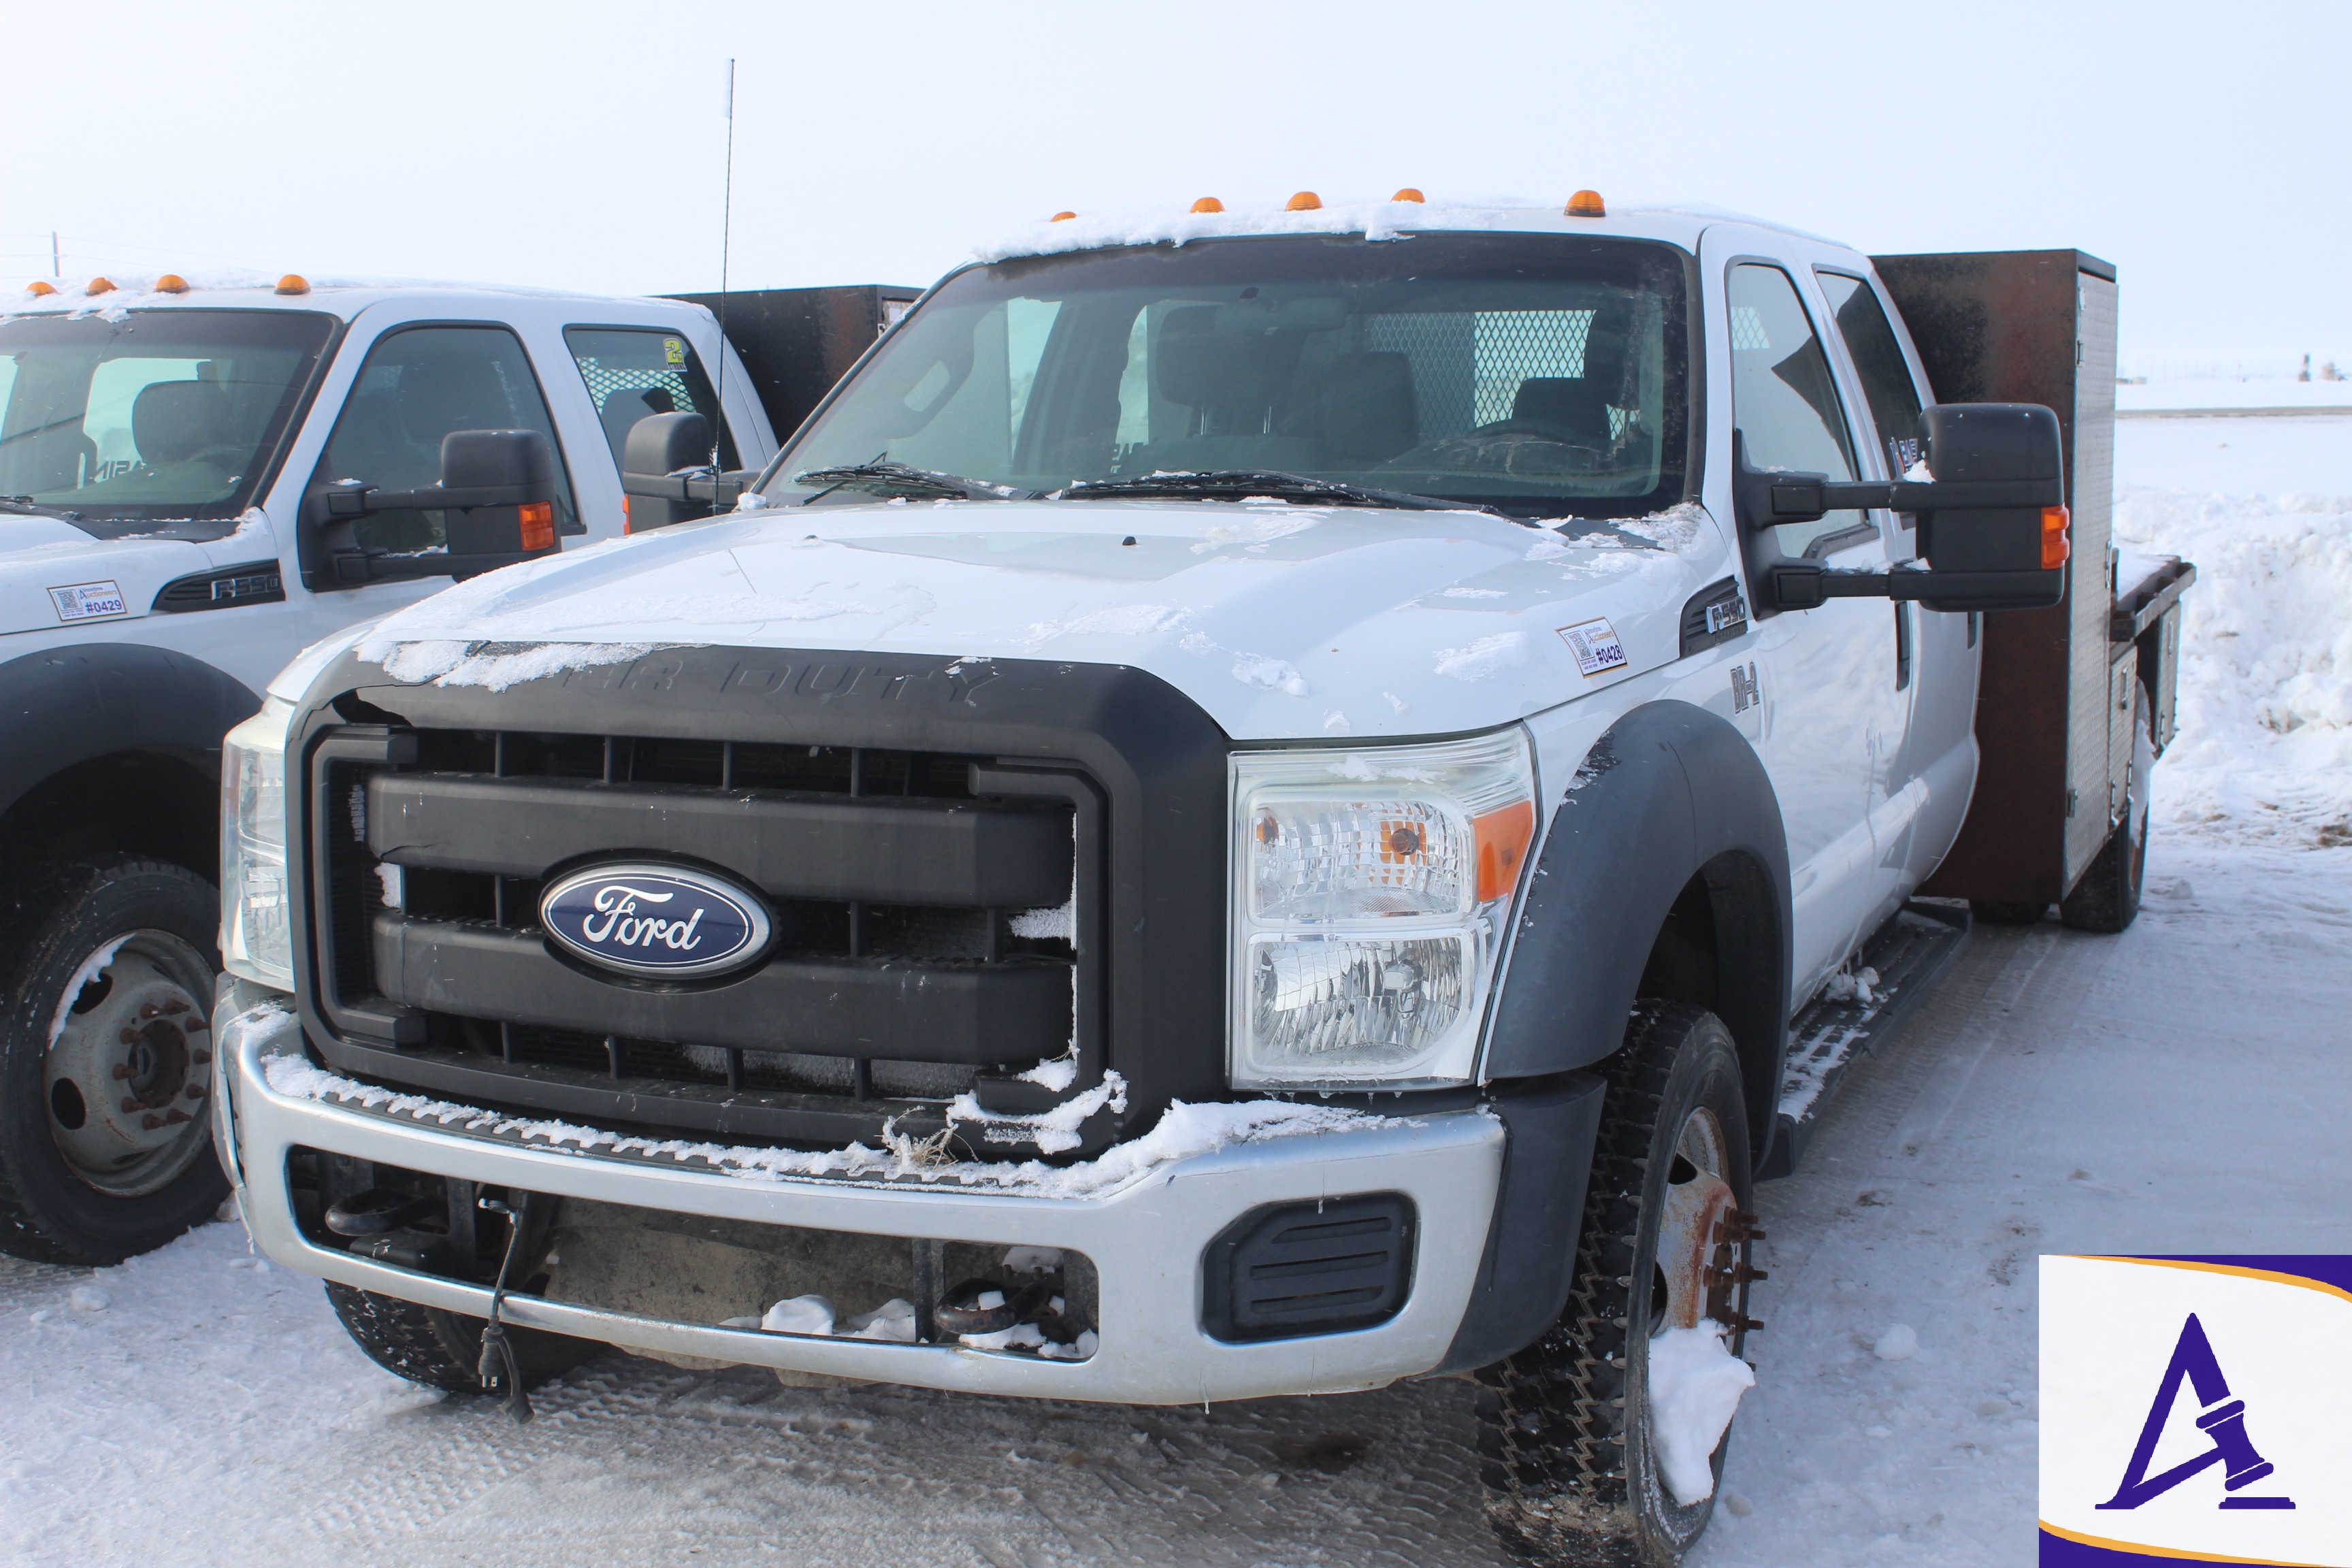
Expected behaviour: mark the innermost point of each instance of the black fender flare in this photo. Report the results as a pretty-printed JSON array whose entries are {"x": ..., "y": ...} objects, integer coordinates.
[
  {"x": 64, "y": 706},
  {"x": 1670, "y": 793}
]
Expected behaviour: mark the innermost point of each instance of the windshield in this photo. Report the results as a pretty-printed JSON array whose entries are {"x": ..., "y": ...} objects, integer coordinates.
[
  {"x": 1541, "y": 374},
  {"x": 162, "y": 416}
]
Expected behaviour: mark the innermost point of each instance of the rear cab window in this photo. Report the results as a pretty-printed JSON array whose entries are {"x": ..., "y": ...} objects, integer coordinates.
[
  {"x": 1878, "y": 364},
  {"x": 634, "y": 372}
]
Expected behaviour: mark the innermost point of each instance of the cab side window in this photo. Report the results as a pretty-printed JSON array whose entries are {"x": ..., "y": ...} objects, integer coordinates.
[
  {"x": 635, "y": 372},
  {"x": 1886, "y": 383},
  {"x": 1784, "y": 398},
  {"x": 418, "y": 385}
]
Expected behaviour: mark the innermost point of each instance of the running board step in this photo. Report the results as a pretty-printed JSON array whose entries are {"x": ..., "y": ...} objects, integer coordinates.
[{"x": 1910, "y": 953}]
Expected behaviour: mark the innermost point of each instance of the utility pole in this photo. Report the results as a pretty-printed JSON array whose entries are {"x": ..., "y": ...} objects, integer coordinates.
[{"x": 57, "y": 268}]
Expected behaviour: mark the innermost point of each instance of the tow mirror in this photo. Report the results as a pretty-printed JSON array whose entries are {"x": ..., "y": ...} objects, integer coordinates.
[
  {"x": 497, "y": 495},
  {"x": 1992, "y": 519},
  {"x": 668, "y": 474}
]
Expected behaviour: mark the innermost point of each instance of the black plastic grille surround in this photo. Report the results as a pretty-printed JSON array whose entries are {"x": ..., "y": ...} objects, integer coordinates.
[{"x": 970, "y": 867}]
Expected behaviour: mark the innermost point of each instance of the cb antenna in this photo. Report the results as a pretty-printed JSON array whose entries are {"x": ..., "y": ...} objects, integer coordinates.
[{"x": 725, "y": 236}]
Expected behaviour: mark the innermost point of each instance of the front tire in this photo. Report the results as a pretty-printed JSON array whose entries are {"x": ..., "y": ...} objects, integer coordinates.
[
  {"x": 105, "y": 1062},
  {"x": 443, "y": 1350},
  {"x": 1573, "y": 1469}
]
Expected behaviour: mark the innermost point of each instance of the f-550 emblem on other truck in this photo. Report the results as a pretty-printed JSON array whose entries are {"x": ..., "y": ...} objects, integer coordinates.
[{"x": 659, "y": 921}]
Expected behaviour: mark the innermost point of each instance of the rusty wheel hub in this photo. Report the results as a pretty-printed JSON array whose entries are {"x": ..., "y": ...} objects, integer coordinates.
[{"x": 1700, "y": 1270}]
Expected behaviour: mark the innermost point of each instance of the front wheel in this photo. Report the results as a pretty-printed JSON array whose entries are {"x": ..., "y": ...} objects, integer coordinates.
[
  {"x": 1603, "y": 1440},
  {"x": 106, "y": 1062},
  {"x": 443, "y": 1350}
]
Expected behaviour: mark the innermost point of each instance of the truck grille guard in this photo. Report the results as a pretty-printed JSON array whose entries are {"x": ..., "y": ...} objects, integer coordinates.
[{"x": 970, "y": 873}]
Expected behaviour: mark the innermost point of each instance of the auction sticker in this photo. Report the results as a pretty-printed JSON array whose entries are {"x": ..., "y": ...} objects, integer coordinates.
[
  {"x": 2192, "y": 1410},
  {"x": 89, "y": 600},
  {"x": 1595, "y": 645}
]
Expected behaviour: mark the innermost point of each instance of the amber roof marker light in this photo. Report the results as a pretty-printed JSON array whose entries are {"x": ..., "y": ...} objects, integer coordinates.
[
  {"x": 1410, "y": 195},
  {"x": 293, "y": 283},
  {"x": 1304, "y": 202},
  {"x": 1061, "y": 217},
  {"x": 36, "y": 288},
  {"x": 100, "y": 286},
  {"x": 171, "y": 283},
  {"x": 1208, "y": 205},
  {"x": 1587, "y": 204}
]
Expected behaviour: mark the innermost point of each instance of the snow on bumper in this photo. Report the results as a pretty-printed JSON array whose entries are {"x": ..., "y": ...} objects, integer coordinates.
[{"x": 1145, "y": 1235}]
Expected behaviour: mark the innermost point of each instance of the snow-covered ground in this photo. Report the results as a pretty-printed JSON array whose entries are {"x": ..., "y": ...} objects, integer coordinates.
[{"x": 2163, "y": 1091}]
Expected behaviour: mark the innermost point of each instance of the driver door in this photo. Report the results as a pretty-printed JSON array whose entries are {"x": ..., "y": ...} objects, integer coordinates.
[{"x": 1836, "y": 693}]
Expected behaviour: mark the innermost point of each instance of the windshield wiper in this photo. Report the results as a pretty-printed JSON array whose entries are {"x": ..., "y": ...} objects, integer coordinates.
[
  {"x": 900, "y": 479},
  {"x": 27, "y": 505},
  {"x": 1240, "y": 484}
]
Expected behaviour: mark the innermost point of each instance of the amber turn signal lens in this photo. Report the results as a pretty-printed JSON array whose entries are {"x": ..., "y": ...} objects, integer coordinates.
[
  {"x": 1061, "y": 217},
  {"x": 2054, "y": 548},
  {"x": 37, "y": 289},
  {"x": 1502, "y": 836},
  {"x": 171, "y": 283},
  {"x": 1304, "y": 202},
  {"x": 537, "y": 525},
  {"x": 1208, "y": 205},
  {"x": 1407, "y": 194},
  {"x": 100, "y": 286},
  {"x": 293, "y": 283},
  {"x": 628, "y": 525},
  {"x": 1587, "y": 204}
]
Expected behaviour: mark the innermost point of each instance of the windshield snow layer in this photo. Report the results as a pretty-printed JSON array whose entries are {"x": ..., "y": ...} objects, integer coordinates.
[
  {"x": 159, "y": 416},
  {"x": 1544, "y": 374}
]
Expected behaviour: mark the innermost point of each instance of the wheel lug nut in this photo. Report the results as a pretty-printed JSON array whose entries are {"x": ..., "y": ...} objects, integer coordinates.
[
  {"x": 196, "y": 1091},
  {"x": 175, "y": 1005},
  {"x": 151, "y": 1122},
  {"x": 131, "y": 1107},
  {"x": 122, "y": 1071},
  {"x": 130, "y": 1036},
  {"x": 149, "y": 1010},
  {"x": 201, "y": 1058},
  {"x": 175, "y": 1117}
]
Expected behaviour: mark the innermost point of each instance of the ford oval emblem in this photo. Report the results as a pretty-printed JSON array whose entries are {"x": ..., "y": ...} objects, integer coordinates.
[{"x": 659, "y": 921}]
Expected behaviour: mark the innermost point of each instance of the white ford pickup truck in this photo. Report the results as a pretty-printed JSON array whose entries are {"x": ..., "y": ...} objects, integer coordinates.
[
  {"x": 1259, "y": 802},
  {"x": 195, "y": 483}
]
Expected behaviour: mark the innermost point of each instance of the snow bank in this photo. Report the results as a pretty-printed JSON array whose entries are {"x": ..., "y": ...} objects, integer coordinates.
[
  {"x": 1184, "y": 1131},
  {"x": 2264, "y": 748}
]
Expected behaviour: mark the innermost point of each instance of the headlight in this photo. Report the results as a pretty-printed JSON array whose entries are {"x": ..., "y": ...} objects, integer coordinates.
[
  {"x": 257, "y": 937},
  {"x": 1371, "y": 891}
]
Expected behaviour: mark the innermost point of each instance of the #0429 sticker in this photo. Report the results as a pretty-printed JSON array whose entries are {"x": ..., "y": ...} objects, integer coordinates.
[
  {"x": 1595, "y": 645},
  {"x": 89, "y": 600},
  {"x": 2192, "y": 1410}
]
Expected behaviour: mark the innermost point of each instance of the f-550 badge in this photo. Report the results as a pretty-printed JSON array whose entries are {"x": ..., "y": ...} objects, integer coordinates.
[{"x": 655, "y": 922}]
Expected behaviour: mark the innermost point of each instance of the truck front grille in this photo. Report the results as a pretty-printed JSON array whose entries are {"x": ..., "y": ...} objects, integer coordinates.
[
  {"x": 900, "y": 895},
  {"x": 967, "y": 875}
]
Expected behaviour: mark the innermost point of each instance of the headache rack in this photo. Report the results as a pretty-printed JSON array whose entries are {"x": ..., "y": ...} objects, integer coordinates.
[{"x": 941, "y": 914}]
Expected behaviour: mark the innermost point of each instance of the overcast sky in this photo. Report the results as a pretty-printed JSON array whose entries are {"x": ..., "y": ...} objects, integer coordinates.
[{"x": 2202, "y": 148}]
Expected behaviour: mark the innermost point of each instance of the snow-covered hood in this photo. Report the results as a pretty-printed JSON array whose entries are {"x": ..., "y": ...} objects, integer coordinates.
[
  {"x": 54, "y": 576},
  {"x": 1281, "y": 621}
]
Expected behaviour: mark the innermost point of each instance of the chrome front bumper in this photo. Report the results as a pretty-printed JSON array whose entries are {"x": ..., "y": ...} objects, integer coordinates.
[{"x": 1146, "y": 1241}]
